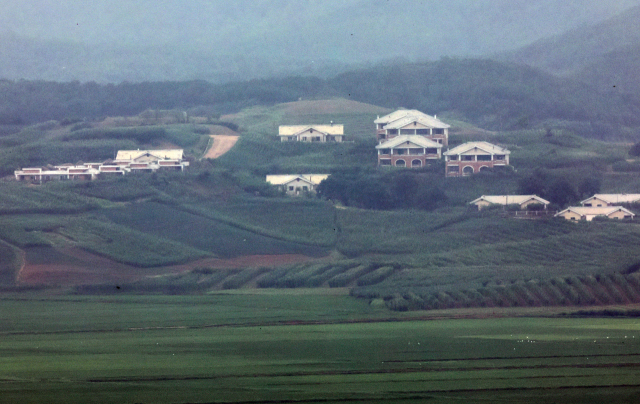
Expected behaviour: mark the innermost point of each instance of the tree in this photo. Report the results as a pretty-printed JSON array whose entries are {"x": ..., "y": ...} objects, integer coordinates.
[
  {"x": 561, "y": 192},
  {"x": 589, "y": 186},
  {"x": 635, "y": 150}
]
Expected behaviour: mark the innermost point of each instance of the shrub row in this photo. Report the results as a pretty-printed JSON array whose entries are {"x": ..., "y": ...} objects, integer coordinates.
[{"x": 571, "y": 291}]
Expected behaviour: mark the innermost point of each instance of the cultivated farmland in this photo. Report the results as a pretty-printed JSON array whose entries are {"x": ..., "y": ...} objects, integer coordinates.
[{"x": 302, "y": 347}]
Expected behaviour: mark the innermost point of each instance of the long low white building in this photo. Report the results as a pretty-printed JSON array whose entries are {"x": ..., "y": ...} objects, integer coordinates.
[
  {"x": 522, "y": 200},
  {"x": 588, "y": 213},
  {"x": 599, "y": 200},
  {"x": 126, "y": 161}
]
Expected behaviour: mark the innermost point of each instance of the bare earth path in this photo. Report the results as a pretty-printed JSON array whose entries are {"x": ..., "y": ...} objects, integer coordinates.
[{"x": 221, "y": 145}]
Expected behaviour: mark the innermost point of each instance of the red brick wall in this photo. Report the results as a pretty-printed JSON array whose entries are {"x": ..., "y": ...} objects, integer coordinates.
[{"x": 462, "y": 164}]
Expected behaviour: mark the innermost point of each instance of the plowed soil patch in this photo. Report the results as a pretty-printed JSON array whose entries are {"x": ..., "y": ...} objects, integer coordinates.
[
  {"x": 74, "y": 266},
  {"x": 221, "y": 145}
]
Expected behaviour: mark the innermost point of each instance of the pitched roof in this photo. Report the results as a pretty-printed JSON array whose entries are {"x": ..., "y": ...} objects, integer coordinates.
[
  {"x": 509, "y": 199},
  {"x": 314, "y": 179},
  {"x": 416, "y": 139},
  {"x": 484, "y": 146},
  {"x": 400, "y": 113},
  {"x": 595, "y": 211},
  {"x": 173, "y": 154},
  {"x": 424, "y": 119},
  {"x": 289, "y": 130},
  {"x": 615, "y": 198}
]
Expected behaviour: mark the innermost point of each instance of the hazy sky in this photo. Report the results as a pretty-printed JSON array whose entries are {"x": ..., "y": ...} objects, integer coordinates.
[
  {"x": 461, "y": 25},
  {"x": 177, "y": 39}
]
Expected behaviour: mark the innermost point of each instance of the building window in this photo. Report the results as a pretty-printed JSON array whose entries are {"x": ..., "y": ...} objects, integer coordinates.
[
  {"x": 401, "y": 152},
  {"x": 438, "y": 131},
  {"x": 432, "y": 151},
  {"x": 305, "y": 188},
  {"x": 392, "y": 132},
  {"x": 453, "y": 158},
  {"x": 467, "y": 158},
  {"x": 499, "y": 157},
  {"x": 423, "y": 132},
  {"x": 385, "y": 162},
  {"x": 415, "y": 151},
  {"x": 484, "y": 158},
  {"x": 385, "y": 151},
  {"x": 291, "y": 188},
  {"x": 407, "y": 131},
  {"x": 453, "y": 169}
]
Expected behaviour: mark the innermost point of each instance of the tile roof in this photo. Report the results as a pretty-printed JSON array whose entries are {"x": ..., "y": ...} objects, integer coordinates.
[
  {"x": 289, "y": 130},
  {"x": 615, "y": 198},
  {"x": 285, "y": 179},
  {"x": 401, "y": 113},
  {"x": 172, "y": 154},
  {"x": 509, "y": 199},
  {"x": 484, "y": 146},
  {"x": 416, "y": 139},
  {"x": 595, "y": 211},
  {"x": 426, "y": 120}
]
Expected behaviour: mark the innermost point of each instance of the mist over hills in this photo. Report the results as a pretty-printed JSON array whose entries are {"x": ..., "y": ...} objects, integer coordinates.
[
  {"x": 604, "y": 55},
  {"x": 113, "y": 41}
]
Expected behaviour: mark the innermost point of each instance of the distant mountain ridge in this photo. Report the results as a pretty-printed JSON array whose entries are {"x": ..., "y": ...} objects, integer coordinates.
[
  {"x": 605, "y": 55},
  {"x": 114, "y": 41}
]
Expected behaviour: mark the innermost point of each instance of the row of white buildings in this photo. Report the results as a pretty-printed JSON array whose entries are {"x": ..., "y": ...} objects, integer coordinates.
[
  {"x": 599, "y": 205},
  {"x": 126, "y": 161}
]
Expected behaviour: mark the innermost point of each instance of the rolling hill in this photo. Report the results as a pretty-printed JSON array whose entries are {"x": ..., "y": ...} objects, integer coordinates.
[{"x": 604, "y": 55}]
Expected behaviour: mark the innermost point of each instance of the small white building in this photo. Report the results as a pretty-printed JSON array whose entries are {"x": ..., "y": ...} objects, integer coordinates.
[
  {"x": 588, "y": 213},
  {"x": 599, "y": 200},
  {"x": 522, "y": 200},
  {"x": 297, "y": 184},
  {"x": 311, "y": 133}
]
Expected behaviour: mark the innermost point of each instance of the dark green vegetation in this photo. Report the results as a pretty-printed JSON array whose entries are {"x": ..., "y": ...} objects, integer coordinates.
[
  {"x": 416, "y": 244},
  {"x": 493, "y": 95},
  {"x": 301, "y": 347}
]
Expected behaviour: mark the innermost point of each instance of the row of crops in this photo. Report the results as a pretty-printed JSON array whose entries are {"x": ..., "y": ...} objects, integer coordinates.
[
  {"x": 302, "y": 275},
  {"x": 559, "y": 291}
]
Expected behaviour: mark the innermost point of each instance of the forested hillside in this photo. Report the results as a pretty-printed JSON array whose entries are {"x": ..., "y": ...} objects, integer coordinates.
[{"x": 489, "y": 94}]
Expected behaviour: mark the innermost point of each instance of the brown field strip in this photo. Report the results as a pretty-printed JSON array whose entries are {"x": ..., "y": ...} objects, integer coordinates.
[{"x": 221, "y": 145}]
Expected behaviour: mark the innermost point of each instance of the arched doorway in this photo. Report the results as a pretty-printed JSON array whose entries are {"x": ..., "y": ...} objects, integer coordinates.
[
  {"x": 401, "y": 163},
  {"x": 416, "y": 163},
  {"x": 483, "y": 168},
  {"x": 468, "y": 170}
]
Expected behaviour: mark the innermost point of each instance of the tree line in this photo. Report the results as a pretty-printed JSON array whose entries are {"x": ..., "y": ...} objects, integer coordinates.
[{"x": 493, "y": 95}]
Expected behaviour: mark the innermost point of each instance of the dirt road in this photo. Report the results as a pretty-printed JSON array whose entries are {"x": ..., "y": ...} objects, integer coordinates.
[{"x": 221, "y": 145}]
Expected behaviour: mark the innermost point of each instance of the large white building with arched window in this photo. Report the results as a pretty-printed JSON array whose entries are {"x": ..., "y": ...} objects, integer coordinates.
[{"x": 473, "y": 157}]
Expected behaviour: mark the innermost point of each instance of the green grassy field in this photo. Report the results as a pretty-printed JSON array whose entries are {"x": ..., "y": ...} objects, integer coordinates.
[{"x": 300, "y": 347}]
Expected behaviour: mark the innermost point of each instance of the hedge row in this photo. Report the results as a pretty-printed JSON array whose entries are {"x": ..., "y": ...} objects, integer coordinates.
[{"x": 570, "y": 291}]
